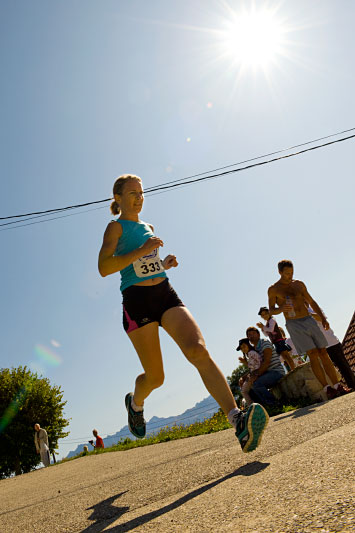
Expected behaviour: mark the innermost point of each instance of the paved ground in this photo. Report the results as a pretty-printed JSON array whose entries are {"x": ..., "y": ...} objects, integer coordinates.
[{"x": 300, "y": 480}]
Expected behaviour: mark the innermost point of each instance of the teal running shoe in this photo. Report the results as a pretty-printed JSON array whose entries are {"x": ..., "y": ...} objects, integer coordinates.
[
  {"x": 136, "y": 422},
  {"x": 250, "y": 427}
]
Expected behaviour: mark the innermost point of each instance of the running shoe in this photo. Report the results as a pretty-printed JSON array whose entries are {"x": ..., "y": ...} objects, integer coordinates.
[
  {"x": 136, "y": 422},
  {"x": 250, "y": 427}
]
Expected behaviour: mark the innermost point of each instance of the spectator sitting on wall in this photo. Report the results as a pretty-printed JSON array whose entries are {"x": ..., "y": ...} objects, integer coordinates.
[
  {"x": 270, "y": 371},
  {"x": 252, "y": 359}
]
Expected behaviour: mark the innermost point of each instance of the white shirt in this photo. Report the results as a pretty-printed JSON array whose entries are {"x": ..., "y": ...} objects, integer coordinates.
[
  {"x": 293, "y": 347},
  {"x": 329, "y": 334},
  {"x": 254, "y": 360}
]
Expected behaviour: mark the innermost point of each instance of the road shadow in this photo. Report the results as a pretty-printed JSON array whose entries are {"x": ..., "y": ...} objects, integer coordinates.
[
  {"x": 246, "y": 470},
  {"x": 303, "y": 411},
  {"x": 104, "y": 513}
]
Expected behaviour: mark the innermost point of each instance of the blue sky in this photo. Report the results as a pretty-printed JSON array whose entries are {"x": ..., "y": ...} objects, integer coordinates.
[{"x": 94, "y": 89}]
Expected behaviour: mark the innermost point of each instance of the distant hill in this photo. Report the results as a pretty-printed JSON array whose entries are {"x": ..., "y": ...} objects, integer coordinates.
[{"x": 204, "y": 409}]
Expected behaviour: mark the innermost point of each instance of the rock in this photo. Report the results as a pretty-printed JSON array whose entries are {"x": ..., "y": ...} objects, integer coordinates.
[{"x": 300, "y": 383}]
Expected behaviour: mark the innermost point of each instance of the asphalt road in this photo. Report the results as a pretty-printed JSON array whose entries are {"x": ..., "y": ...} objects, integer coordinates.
[{"x": 300, "y": 480}]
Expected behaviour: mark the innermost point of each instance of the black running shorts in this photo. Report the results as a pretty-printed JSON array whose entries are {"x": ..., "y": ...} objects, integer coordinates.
[{"x": 145, "y": 304}]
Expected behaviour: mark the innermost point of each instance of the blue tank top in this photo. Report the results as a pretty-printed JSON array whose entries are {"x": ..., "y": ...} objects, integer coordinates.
[{"x": 134, "y": 235}]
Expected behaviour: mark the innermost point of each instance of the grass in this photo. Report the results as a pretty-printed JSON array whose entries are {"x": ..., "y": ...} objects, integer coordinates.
[{"x": 218, "y": 422}]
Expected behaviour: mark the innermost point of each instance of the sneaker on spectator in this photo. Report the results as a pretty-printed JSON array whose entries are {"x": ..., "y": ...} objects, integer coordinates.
[
  {"x": 342, "y": 390},
  {"x": 332, "y": 393},
  {"x": 136, "y": 422},
  {"x": 250, "y": 427}
]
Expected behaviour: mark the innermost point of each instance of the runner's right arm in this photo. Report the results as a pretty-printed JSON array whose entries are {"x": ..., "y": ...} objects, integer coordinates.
[{"x": 110, "y": 264}]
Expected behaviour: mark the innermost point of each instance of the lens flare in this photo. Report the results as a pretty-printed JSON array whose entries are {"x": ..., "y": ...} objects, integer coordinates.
[
  {"x": 13, "y": 408},
  {"x": 55, "y": 343},
  {"x": 47, "y": 356}
]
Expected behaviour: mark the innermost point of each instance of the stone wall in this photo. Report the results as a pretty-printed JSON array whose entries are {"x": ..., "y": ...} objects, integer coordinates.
[{"x": 300, "y": 383}]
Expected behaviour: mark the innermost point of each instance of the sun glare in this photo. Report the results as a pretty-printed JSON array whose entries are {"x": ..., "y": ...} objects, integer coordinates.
[{"x": 253, "y": 38}]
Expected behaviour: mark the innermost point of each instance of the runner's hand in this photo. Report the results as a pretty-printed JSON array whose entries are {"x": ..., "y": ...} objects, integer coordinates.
[
  {"x": 151, "y": 244},
  {"x": 170, "y": 261},
  {"x": 260, "y": 325}
]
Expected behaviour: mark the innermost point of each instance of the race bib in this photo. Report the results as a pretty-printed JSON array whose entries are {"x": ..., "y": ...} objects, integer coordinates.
[{"x": 148, "y": 265}]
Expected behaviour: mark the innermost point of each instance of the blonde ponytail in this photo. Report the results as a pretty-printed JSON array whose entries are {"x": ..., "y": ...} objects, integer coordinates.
[{"x": 115, "y": 208}]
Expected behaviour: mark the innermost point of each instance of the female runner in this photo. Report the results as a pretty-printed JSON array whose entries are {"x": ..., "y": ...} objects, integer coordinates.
[{"x": 131, "y": 248}]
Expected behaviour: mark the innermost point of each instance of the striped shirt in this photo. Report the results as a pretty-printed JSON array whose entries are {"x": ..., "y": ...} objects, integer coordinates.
[{"x": 275, "y": 363}]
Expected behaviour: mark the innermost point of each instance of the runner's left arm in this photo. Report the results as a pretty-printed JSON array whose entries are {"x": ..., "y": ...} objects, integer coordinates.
[{"x": 170, "y": 260}]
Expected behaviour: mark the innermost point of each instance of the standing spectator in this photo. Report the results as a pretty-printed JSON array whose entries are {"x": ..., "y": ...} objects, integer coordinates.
[
  {"x": 273, "y": 331},
  {"x": 270, "y": 371},
  {"x": 41, "y": 443},
  {"x": 291, "y": 297},
  {"x": 335, "y": 351},
  {"x": 99, "y": 442},
  {"x": 252, "y": 360}
]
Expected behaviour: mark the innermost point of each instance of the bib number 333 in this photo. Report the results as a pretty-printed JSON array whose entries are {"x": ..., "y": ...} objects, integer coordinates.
[{"x": 148, "y": 265}]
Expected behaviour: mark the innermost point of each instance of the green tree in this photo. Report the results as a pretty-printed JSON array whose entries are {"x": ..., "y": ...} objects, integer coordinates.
[
  {"x": 233, "y": 381},
  {"x": 26, "y": 399}
]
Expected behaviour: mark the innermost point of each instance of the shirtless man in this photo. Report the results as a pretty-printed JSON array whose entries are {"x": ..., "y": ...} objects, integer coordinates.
[{"x": 292, "y": 298}]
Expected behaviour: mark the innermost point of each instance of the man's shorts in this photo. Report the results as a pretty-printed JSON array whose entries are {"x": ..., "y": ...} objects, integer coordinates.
[
  {"x": 305, "y": 334},
  {"x": 145, "y": 304}
]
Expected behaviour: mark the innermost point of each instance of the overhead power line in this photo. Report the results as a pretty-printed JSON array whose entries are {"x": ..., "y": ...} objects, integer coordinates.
[
  {"x": 220, "y": 174},
  {"x": 262, "y": 156},
  {"x": 177, "y": 183}
]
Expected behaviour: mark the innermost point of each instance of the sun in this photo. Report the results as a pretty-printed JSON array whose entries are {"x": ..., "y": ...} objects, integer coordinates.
[{"x": 253, "y": 38}]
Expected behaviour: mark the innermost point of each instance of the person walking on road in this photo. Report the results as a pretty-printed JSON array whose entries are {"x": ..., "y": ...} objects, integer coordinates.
[
  {"x": 149, "y": 301},
  {"x": 42, "y": 445},
  {"x": 99, "y": 443}
]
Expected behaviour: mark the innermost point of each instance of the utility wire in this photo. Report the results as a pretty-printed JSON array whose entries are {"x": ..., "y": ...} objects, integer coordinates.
[
  {"x": 160, "y": 188},
  {"x": 188, "y": 180},
  {"x": 47, "y": 219},
  {"x": 56, "y": 210},
  {"x": 32, "y": 217},
  {"x": 164, "y": 188},
  {"x": 260, "y": 156}
]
